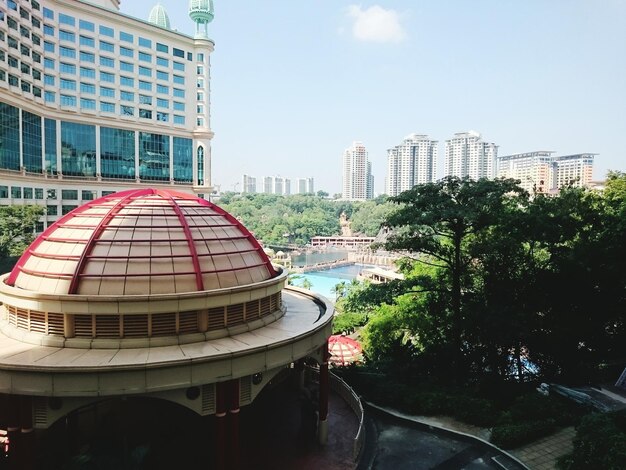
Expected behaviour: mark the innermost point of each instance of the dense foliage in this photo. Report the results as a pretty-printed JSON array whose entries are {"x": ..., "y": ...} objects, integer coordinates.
[
  {"x": 499, "y": 282},
  {"x": 17, "y": 231}
]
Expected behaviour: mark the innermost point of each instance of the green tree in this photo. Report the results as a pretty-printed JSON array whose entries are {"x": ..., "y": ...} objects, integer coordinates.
[{"x": 17, "y": 228}]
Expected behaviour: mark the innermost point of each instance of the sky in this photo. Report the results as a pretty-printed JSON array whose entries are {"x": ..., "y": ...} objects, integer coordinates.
[{"x": 295, "y": 82}]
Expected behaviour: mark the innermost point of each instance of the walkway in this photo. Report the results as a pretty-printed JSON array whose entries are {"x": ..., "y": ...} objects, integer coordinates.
[{"x": 543, "y": 454}]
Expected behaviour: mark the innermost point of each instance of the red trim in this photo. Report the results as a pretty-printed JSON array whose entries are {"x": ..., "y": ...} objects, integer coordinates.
[{"x": 192, "y": 247}]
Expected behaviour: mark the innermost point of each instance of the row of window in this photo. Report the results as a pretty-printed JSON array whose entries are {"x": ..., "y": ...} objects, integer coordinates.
[{"x": 18, "y": 192}]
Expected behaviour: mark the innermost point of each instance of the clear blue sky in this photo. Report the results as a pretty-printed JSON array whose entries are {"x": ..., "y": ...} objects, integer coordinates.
[{"x": 294, "y": 82}]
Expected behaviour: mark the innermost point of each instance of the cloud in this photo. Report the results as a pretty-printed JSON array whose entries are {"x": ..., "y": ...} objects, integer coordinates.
[{"x": 375, "y": 24}]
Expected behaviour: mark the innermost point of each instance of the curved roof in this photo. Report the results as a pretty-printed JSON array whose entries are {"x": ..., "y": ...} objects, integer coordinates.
[
  {"x": 159, "y": 17},
  {"x": 201, "y": 10},
  {"x": 142, "y": 241}
]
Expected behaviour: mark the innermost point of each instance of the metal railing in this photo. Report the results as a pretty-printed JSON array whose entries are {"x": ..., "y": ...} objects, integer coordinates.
[{"x": 340, "y": 387}]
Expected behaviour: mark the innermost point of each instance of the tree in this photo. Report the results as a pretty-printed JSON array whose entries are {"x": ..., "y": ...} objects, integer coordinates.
[
  {"x": 321, "y": 193},
  {"x": 17, "y": 228}
]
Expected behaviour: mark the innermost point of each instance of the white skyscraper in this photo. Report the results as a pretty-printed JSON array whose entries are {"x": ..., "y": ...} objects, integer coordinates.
[
  {"x": 468, "y": 155},
  {"x": 358, "y": 181},
  {"x": 248, "y": 184},
  {"x": 576, "y": 170},
  {"x": 412, "y": 162},
  {"x": 277, "y": 185},
  {"x": 305, "y": 186}
]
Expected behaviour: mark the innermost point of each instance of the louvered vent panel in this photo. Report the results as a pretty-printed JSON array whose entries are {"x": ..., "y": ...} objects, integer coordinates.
[
  {"x": 266, "y": 307},
  {"x": 234, "y": 314},
  {"x": 22, "y": 318},
  {"x": 187, "y": 322},
  {"x": 107, "y": 326},
  {"x": 12, "y": 315},
  {"x": 135, "y": 325},
  {"x": 208, "y": 399},
  {"x": 82, "y": 326},
  {"x": 216, "y": 318},
  {"x": 55, "y": 324},
  {"x": 252, "y": 310},
  {"x": 163, "y": 324},
  {"x": 245, "y": 390},
  {"x": 40, "y": 412},
  {"x": 37, "y": 321}
]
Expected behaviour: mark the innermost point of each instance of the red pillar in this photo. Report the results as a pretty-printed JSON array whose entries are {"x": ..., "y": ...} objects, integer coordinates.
[
  {"x": 220, "y": 425},
  {"x": 322, "y": 428},
  {"x": 233, "y": 414}
]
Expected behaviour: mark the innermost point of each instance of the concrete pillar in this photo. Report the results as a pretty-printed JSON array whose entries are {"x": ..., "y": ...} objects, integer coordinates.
[
  {"x": 13, "y": 432},
  {"x": 322, "y": 427},
  {"x": 299, "y": 374},
  {"x": 233, "y": 414},
  {"x": 220, "y": 426},
  {"x": 27, "y": 434}
]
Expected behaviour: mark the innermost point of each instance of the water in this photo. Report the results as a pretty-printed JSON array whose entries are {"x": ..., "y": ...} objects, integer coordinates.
[
  {"x": 322, "y": 257},
  {"x": 322, "y": 282}
]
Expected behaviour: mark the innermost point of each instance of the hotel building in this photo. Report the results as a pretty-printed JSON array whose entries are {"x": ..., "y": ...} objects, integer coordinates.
[
  {"x": 93, "y": 101},
  {"x": 468, "y": 155},
  {"x": 412, "y": 162},
  {"x": 358, "y": 181}
]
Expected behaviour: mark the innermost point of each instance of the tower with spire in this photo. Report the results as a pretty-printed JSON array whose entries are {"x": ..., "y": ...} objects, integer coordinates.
[{"x": 201, "y": 13}]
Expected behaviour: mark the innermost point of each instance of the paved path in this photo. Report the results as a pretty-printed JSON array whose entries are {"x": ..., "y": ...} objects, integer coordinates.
[{"x": 543, "y": 454}]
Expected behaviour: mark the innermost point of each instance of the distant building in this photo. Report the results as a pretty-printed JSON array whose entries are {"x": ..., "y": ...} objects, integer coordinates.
[
  {"x": 412, "y": 162},
  {"x": 358, "y": 181},
  {"x": 277, "y": 185},
  {"x": 543, "y": 172},
  {"x": 468, "y": 155},
  {"x": 533, "y": 169},
  {"x": 248, "y": 184},
  {"x": 305, "y": 186}
]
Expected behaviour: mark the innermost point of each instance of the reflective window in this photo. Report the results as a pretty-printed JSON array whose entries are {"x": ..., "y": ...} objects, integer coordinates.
[
  {"x": 48, "y": 46},
  {"x": 4, "y": 192},
  {"x": 67, "y": 100},
  {"x": 162, "y": 75},
  {"x": 87, "y": 41},
  {"x": 163, "y": 117},
  {"x": 28, "y": 193},
  {"x": 48, "y": 30},
  {"x": 86, "y": 72},
  {"x": 52, "y": 193},
  {"x": 107, "y": 46},
  {"x": 200, "y": 163},
  {"x": 179, "y": 79},
  {"x": 36, "y": 57},
  {"x": 47, "y": 13},
  {"x": 178, "y": 53},
  {"x": 107, "y": 77},
  {"x": 107, "y": 62},
  {"x": 78, "y": 149},
  {"x": 143, "y": 85},
  {"x": 145, "y": 99},
  {"x": 50, "y": 127},
  {"x": 87, "y": 57},
  {"x": 49, "y": 79},
  {"x": 52, "y": 210},
  {"x": 87, "y": 103},
  {"x": 145, "y": 113},
  {"x": 127, "y": 110},
  {"x": 86, "y": 25},
  {"x": 10, "y": 137},
  {"x": 117, "y": 153},
  {"x": 162, "y": 103},
  {"x": 144, "y": 57},
  {"x": 88, "y": 195},
  {"x": 164, "y": 89},
  {"x": 162, "y": 47},
  {"x": 69, "y": 69},
  {"x": 106, "y": 31},
  {"x": 127, "y": 66},
  {"x": 154, "y": 157},
  {"x": 126, "y": 37},
  {"x": 48, "y": 64},
  {"x": 125, "y": 51},
  {"x": 127, "y": 96},
  {"x": 183, "y": 159},
  {"x": 31, "y": 141},
  {"x": 108, "y": 92},
  {"x": 163, "y": 62},
  {"x": 66, "y": 209},
  {"x": 127, "y": 81},
  {"x": 179, "y": 66},
  {"x": 178, "y": 106},
  {"x": 68, "y": 84},
  {"x": 143, "y": 42},
  {"x": 50, "y": 96},
  {"x": 67, "y": 52},
  {"x": 67, "y": 36},
  {"x": 67, "y": 19},
  {"x": 87, "y": 88},
  {"x": 38, "y": 193},
  {"x": 200, "y": 59},
  {"x": 107, "y": 107},
  {"x": 69, "y": 194},
  {"x": 179, "y": 119},
  {"x": 16, "y": 192},
  {"x": 145, "y": 71}
]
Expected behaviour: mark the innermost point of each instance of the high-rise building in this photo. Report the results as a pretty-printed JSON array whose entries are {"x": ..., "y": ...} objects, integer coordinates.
[
  {"x": 532, "y": 169},
  {"x": 542, "y": 172},
  {"x": 248, "y": 184},
  {"x": 575, "y": 170},
  {"x": 277, "y": 185},
  {"x": 93, "y": 101},
  {"x": 468, "y": 155},
  {"x": 305, "y": 186},
  {"x": 412, "y": 162},
  {"x": 358, "y": 181}
]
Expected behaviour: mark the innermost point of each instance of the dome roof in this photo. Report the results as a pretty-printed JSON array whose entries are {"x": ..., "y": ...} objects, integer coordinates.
[
  {"x": 159, "y": 17},
  {"x": 201, "y": 10},
  {"x": 142, "y": 241}
]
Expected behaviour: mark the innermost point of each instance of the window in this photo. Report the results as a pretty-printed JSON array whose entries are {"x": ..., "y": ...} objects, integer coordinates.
[
  {"x": 145, "y": 99},
  {"x": 4, "y": 192},
  {"x": 127, "y": 81},
  {"x": 178, "y": 53},
  {"x": 143, "y": 42},
  {"x": 106, "y": 61},
  {"x": 189, "y": 56},
  {"x": 145, "y": 114},
  {"x": 67, "y": 52},
  {"x": 13, "y": 80},
  {"x": 179, "y": 66},
  {"x": 143, "y": 85},
  {"x": 68, "y": 84},
  {"x": 12, "y": 23},
  {"x": 25, "y": 86},
  {"x": 35, "y": 22},
  {"x": 52, "y": 194},
  {"x": 88, "y": 195},
  {"x": 48, "y": 79},
  {"x": 107, "y": 77},
  {"x": 127, "y": 96},
  {"x": 69, "y": 69},
  {"x": 145, "y": 57},
  {"x": 66, "y": 209},
  {"x": 87, "y": 41},
  {"x": 200, "y": 83},
  {"x": 179, "y": 106},
  {"x": 87, "y": 88},
  {"x": 178, "y": 93},
  {"x": 52, "y": 210},
  {"x": 36, "y": 74},
  {"x": 165, "y": 90},
  {"x": 69, "y": 194},
  {"x": 87, "y": 103},
  {"x": 67, "y": 100},
  {"x": 48, "y": 46},
  {"x": 28, "y": 193},
  {"x": 179, "y": 79},
  {"x": 145, "y": 71},
  {"x": 36, "y": 40},
  {"x": 106, "y": 31},
  {"x": 48, "y": 30},
  {"x": 200, "y": 96},
  {"x": 126, "y": 37},
  {"x": 200, "y": 109},
  {"x": 200, "y": 57},
  {"x": 125, "y": 51},
  {"x": 16, "y": 192},
  {"x": 127, "y": 66},
  {"x": 13, "y": 62},
  {"x": 47, "y": 13},
  {"x": 161, "y": 103},
  {"x": 50, "y": 96},
  {"x": 67, "y": 36},
  {"x": 25, "y": 68},
  {"x": 162, "y": 75},
  {"x": 36, "y": 57},
  {"x": 38, "y": 193},
  {"x": 24, "y": 32},
  {"x": 161, "y": 47},
  {"x": 107, "y": 107},
  {"x": 86, "y": 25},
  {"x": 127, "y": 110},
  {"x": 163, "y": 62},
  {"x": 67, "y": 19},
  {"x": 86, "y": 72},
  {"x": 25, "y": 50},
  {"x": 163, "y": 117},
  {"x": 200, "y": 70},
  {"x": 87, "y": 57},
  {"x": 48, "y": 64},
  {"x": 107, "y": 46},
  {"x": 24, "y": 13},
  {"x": 107, "y": 92}
]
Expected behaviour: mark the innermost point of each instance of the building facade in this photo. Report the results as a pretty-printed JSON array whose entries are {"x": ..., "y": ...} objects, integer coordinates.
[
  {"x": 468, "y": 155},
  {"x": 93, "y": 101},
  {"x": 248, "y": 184},
  {"x": 305, "y": 186},
  {"x": 575, "y": 170},
  {"x": 412, "y": 162},
  {"x": 358, "y": 181}
]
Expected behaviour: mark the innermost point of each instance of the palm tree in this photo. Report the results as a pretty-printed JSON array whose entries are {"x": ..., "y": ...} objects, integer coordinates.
[{"x": 339, "y": 290}]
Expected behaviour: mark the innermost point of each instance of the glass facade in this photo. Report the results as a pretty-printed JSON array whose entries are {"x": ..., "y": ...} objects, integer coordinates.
[
  {"x": 117, "y": 153},
  {"x": 50, "y": 126},
  {"x": 200, "y": 164},
  {"x": 183, "y": 159},
  {"x": 78, "y": 149},
  {"x": 9, "y": 137},
  {"x": 154, "y": 157},
  {"x": 31, "y": 141}
]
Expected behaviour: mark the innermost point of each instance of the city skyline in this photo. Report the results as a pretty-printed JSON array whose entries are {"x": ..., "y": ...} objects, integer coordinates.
[{"x": 543, "y": 75}]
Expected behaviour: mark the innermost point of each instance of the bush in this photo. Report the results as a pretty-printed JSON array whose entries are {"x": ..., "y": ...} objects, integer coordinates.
[
  {"x": 536, "y": 407},
  {"x": 509, "y": 436},
  {"x": 348, "y": 322}
]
